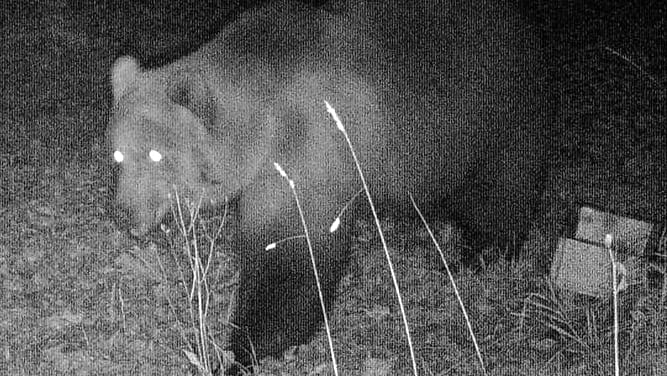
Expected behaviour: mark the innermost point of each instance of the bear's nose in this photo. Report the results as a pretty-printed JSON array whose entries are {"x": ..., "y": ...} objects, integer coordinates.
[
  {"x": 122, "y": 217},
  {"x": 125, "y": 220}
]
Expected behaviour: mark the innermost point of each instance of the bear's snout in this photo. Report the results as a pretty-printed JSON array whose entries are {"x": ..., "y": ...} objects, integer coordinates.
[
  {"x": 123, "y": 218},
  {"x": 139, "y": 215}
]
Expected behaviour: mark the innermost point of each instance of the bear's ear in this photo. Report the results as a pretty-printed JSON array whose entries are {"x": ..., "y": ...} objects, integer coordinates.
[{"x": 125, "y": 71}]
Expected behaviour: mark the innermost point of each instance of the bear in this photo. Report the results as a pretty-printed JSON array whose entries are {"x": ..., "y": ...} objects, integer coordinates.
[{"x": 440, "y": 100}]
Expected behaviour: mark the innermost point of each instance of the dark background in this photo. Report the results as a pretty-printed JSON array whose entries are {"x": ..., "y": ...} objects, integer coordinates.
[{"x": 56, "y": 55}]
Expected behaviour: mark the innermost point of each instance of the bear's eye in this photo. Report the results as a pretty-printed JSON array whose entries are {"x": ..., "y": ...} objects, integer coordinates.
[
  {"x": 155, "y": 155},
  {"x": 118, "y": 156}
]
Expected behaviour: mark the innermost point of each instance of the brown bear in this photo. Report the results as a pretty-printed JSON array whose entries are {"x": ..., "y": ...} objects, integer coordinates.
[{"x": 439, "y": 99}]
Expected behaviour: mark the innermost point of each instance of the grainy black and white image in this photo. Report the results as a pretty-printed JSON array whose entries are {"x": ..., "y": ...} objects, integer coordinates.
[{"x": 333, "y": 187}]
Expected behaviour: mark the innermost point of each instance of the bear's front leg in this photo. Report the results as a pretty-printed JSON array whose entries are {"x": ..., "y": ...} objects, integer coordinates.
[{"x": 278, "y": 303}]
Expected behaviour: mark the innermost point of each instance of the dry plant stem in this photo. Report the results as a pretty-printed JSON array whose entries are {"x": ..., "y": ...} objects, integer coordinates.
[
  {"x": 347, "y": 204},
  {"x": 451, "y": 279},
  {"x": 202, "y": 307},
  {"x": 199, "y": 285},
  {"x": 608, "y": 242},
  {"x": 212, "y": 240},
  {"x": 199, "y": 277},
  {"x": 169, "y": 302},
  {"x": 171, "y": 305},
  {"x": 663, "y": 294},
  {"x": 312, "y": 259},
  {"x": 122, "y": 308},
  {"x": 340, "y": 126},
  {"x": 635, "y": 65},
  {"x": 662, "y": 250},
  {"x": 181, "y": 225}
]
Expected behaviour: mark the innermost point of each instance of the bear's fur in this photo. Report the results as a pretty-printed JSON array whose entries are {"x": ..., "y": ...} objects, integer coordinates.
[{"x": 438, "y": 100}]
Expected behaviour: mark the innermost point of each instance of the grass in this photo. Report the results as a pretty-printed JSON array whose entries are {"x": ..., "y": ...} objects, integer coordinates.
[{"x": 84, "y": 285}]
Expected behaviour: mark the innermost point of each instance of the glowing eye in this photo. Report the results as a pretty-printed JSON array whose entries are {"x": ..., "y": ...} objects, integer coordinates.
[
  {"x": 155, "y": 155},
  {"x": 118, "y": 156}
]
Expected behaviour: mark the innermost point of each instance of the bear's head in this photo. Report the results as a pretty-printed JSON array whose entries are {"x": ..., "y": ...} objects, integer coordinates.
[
  {"x": 172, "y": 135},
  {"x": 151, "y": 137}
]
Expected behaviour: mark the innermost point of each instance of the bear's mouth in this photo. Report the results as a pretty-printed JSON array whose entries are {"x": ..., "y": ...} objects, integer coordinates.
[{"x": 149, "y": 222}]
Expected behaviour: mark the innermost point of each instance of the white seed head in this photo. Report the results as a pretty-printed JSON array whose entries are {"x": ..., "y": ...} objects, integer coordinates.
[
  {"x": 118, "y": 156},
  {"x": 608, "y": 240},
  {"x": 335, "y": 225},
  {"x": 155, "y": 156}
]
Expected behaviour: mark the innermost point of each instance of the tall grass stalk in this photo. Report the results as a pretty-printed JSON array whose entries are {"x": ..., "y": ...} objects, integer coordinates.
[
  {"x": 312, "y": 259},
  {"x": 340, "y": 126},
  {"x": 608, "y": 240},
  {"x": 451, "y": 279}
]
